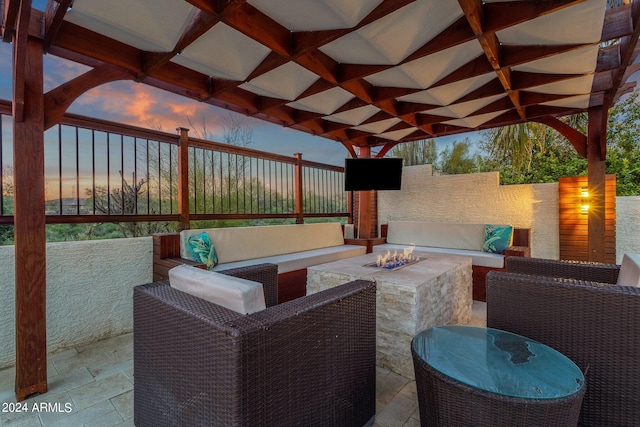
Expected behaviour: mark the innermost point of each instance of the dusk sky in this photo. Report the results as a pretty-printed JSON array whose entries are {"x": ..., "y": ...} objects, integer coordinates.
[{"x": 141, "y": 105}]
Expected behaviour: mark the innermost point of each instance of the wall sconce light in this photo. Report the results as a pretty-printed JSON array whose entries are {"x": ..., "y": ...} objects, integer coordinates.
[{"x": 584, "y": 200}]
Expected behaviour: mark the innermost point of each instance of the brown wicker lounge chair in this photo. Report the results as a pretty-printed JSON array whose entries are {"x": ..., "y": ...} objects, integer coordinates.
[
  {"x": 577, "y": 308},
  {"x": 306, "y": 362}
]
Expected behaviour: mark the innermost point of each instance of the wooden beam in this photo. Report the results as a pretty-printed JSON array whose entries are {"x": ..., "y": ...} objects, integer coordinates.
[
  {"x": 474, "y": 12},
  {"x": 9, "y": 18},
  {"x": 57, "y": 100},
  {"x": 501, "y": 15},
  {"x": 20, "y": 53},
  {"x": 53, "y": 18},
  {"x": 85, "y": 42},
  {"x": 255, "y": 24},
  {"x": 365, "y": 199},
  {"x": 200, "y": 24},
  {"x": 385, "y": 149},
  {"x": 628, "y": 54},
  {"x": 596, "y": 183},
  {"x": 617, "y": 22},
  {"x": 29, "y": 229}
]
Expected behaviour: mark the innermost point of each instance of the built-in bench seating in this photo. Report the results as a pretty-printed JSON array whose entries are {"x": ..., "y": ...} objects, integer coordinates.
[
  {"x": 292, "y": 248},
  {"x": 454, "y": 239}
]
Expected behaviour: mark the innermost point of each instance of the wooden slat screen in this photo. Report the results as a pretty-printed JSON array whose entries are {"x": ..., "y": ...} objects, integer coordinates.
[{"x": 573, "y": 223}]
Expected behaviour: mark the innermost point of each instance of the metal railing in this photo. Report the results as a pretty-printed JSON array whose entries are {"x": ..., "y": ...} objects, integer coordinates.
[{"x": 98, "y": 171}]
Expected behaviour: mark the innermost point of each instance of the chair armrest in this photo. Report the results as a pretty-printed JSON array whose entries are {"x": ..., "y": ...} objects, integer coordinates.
[
  {"x": 265, "y": 273},
  {"x": 579, "y": 270}
]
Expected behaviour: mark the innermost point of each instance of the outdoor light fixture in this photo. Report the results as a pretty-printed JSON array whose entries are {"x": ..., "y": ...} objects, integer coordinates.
[{"x": 584, "y": 200}]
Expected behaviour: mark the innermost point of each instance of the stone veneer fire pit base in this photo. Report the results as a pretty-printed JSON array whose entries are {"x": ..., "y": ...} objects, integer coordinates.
[{"x": 433, "y": 292}]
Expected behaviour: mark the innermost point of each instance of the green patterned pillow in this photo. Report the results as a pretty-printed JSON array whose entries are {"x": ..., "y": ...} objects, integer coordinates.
[
  {"x": 497, "y": 238},
  {"x": 203, "y": 250}
]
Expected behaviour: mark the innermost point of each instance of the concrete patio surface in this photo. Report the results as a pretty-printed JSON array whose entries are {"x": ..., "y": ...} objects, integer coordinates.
[{"x": 92, "y": 386}]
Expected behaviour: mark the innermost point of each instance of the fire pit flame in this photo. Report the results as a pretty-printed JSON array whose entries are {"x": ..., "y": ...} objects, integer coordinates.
[{"x": 395, "y": 260}]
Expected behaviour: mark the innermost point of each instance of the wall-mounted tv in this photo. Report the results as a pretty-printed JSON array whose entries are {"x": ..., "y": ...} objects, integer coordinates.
[{"x": 362, "y": 174}]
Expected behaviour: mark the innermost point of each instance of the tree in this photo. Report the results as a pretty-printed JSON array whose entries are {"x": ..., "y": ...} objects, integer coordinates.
[
  {"x": 457, "y": 159},
  {"x": 6, "y": 231},
  {"x": 514, "y": 146},
  {"x": 422, "y": 152},
  {"x": 532, "y": 152},
  {"x": 124, "y": 200}
]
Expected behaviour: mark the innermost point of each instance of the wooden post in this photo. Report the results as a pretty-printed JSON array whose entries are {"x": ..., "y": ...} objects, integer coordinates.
[
  {"x": 183, "y": 179},
  {"x": 364, "y": 205},
  {"x": 596, "y": 154},
  {"x": 299, "y": 193},
  {"x": 29, "y": 225}
]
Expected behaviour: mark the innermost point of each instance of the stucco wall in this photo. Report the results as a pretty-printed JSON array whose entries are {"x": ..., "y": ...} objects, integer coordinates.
[
  {"x": 89, "y": 291},
  {"x": 475, "y": 198},
  {"x": 479, "y": 198},
  {"x": 627, "y": 226}
]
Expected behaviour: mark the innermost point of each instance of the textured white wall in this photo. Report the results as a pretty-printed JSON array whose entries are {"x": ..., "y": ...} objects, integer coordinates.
[
  {"x": 89, "y": 291},
  {"x": 479, "y": 198},
  {"x": 475, "y": 198},
  {"x": 627, "y": 226}
]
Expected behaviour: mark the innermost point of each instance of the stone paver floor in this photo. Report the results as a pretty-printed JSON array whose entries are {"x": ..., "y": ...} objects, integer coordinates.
[{"x": 92, "y": 385}]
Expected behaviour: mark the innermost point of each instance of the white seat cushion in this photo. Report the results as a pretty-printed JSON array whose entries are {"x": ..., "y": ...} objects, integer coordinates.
[
  {"x": 630, "y": 270},
  {"x": 240, "y": 295},
  {"x": 437, "y": 235},
  {"x": 478, "y": 258}
]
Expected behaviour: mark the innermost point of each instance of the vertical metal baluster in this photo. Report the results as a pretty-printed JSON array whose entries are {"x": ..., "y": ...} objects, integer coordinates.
[
  {"x": 122, "y": 211},
  {"x": 237, "y": 188},
  {"x": 160, "y": 180},
  {"x": 251, "y": 184},
  {"x": 147, "y": 175},
  {"x": 244, "y": 184},
  {"x": 213, "y": 183},
  {"x": 264, "y": 189},
  {"x": 1, "y": 169}
]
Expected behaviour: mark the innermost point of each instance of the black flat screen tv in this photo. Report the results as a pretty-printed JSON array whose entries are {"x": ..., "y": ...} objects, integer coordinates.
[{"x": 363, "y": 174}]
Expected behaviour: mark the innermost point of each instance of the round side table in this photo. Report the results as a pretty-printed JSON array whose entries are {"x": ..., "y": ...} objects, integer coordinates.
[{"x": 470, "y": 376}]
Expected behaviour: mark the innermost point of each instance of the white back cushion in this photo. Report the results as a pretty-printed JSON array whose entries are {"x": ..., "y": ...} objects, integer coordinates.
[
  {"x": 438, "y": 235},
  {"x": 630, "y": 270},
  {"x": 242, "y": 243},
  {"x": 234, "y": 293}
]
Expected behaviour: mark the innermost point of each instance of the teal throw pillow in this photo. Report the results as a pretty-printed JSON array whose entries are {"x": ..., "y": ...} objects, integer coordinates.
[
  {"x": 203, "y": 250},
  {"x": 497, "y": 238}
]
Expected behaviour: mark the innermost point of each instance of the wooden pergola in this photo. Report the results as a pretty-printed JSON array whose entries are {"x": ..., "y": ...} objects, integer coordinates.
[{"x": 365, "y": 73}]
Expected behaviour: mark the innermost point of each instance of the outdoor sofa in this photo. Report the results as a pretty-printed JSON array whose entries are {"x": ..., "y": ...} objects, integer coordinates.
[
  {"x": 579, "y": 309},
  {"x": 306, "y": 362},
  {"x": 456, "y": 239},
  {"x": 292, "y": 248}
]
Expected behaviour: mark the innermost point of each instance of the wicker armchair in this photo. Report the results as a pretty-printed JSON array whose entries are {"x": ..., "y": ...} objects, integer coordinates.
[
  {"x": 306, "y": 362},
  {"x": 576, "y": 308}
]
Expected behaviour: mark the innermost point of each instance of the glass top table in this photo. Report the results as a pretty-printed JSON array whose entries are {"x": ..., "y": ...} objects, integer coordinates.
[{"x": 498, "y": 362}]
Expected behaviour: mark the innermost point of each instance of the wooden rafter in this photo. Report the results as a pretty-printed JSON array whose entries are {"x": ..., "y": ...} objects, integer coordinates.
[
  {"x": 627, "y": 46},
  {"x": 152, "y": 61},
  {"x": 481, "y": 21},
  {"x": 53, "y": 16},
  {"x": 474, "y": 13},
  {"x": 9, "y": 10}
]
